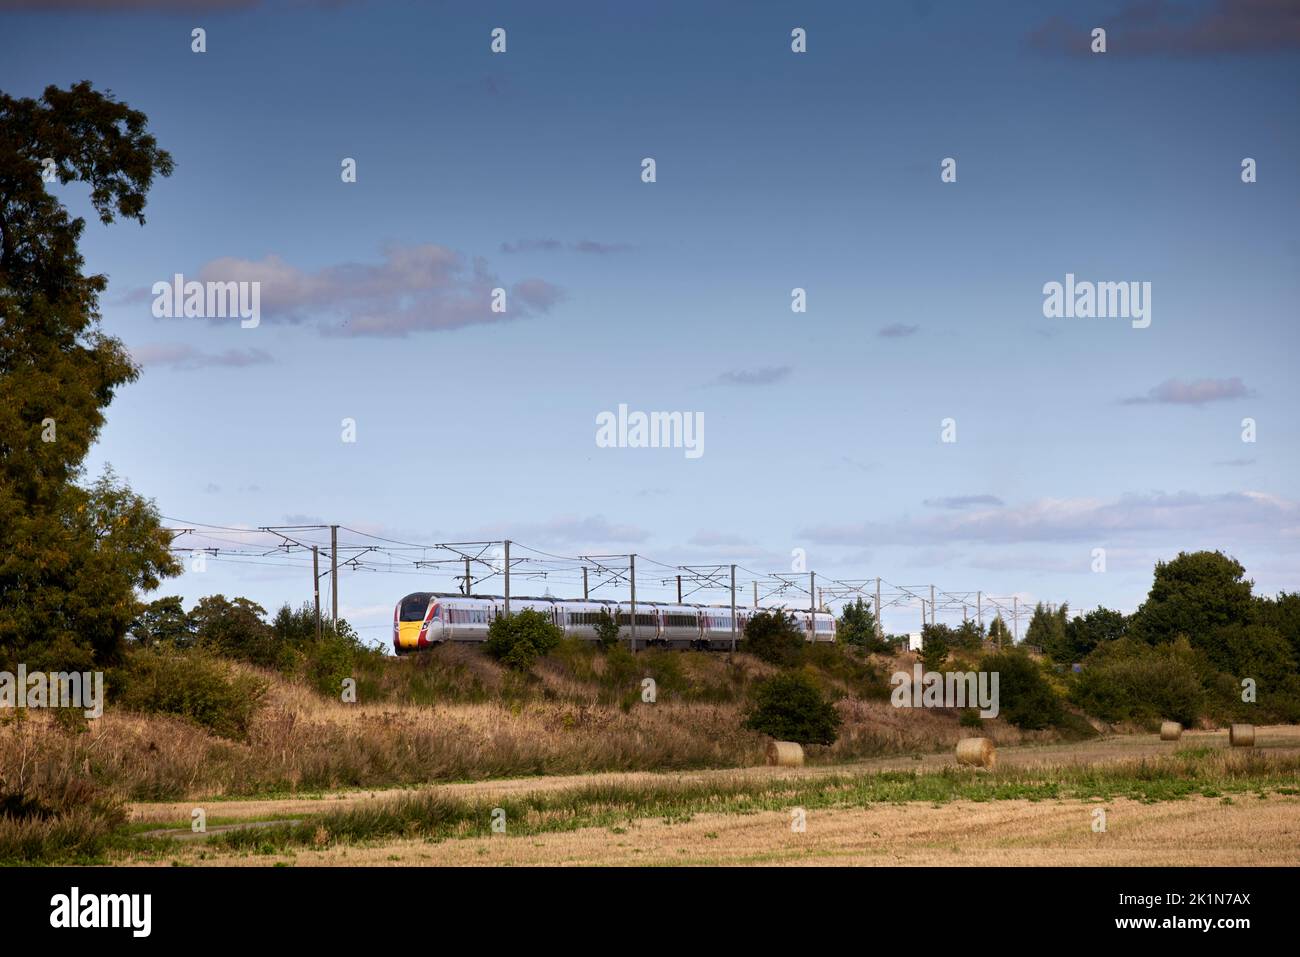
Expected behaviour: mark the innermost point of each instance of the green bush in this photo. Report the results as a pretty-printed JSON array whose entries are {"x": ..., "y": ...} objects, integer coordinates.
[
  {"x": 1129, "y": 680},
  {"x": 936, "y": 643},
  {"x": 857, "y": 626},
  {"x": 773, "y": 636},
  {"x": 190, "y": 684},
  {"x": 1025, "y": 697},
  {"x": 790, "y": 707},
  {"x": 1260, "y": 653},
  {"x": 518, "y": 641},
  {"x": 844, "y": 663},
  {"x": 235, "y": 629},
  {"x": 665, "y": 667},
  {"x": 606, "y": 629},
  {"x": 620, "y": 666}
]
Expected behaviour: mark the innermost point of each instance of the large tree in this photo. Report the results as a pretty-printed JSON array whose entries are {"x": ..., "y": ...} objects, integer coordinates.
[
  {"x": 1085, "y": 632},
  {"x": 857, "y": 626},
  {"x": 999, "y": 633},
  {"x": 71, "y": 557},
  {"x": 1195, "y": 595},
  {"x": 1047, "y": 630},
  {"x": 1283, "y": 615}
]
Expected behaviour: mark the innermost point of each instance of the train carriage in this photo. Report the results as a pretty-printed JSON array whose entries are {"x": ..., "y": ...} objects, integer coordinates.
[
  {"x": 679, "y": 625},
  {"x": 579, "y": 618},
  {"x": 461, "y": 618},
  {"x": 716, "y": 630},
  {"x": 647, "y": 624},
  {"x": 424, "y": 619}
]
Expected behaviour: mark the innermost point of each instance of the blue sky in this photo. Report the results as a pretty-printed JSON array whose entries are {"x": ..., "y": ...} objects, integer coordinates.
[{"x": 775, "y": 170}]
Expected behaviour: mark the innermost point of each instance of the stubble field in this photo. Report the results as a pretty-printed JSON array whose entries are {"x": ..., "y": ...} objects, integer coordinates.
[{"x": 1193, "y": 802}]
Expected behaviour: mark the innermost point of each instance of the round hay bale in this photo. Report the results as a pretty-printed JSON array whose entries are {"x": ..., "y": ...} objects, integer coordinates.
[
  {"x": 978, "y": 752},
  {"x": 785, "y": 754},
  {"x": 1242, "y": 735},
  {"x": 1170, "y": 731}
]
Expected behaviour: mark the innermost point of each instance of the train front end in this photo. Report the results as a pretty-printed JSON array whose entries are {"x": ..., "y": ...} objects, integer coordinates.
[{"x": 416, "y": 623}]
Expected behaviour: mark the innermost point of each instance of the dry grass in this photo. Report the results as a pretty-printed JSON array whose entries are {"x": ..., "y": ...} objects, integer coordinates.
[
  {"x": 1211, "y": 749},
  {"x": 1206, "y": 804},
  {"x": 324, "y": 746},
  {"x": 1195, "y": 832},
  {"x": 483, "y": 724},
  {"x": 298, "y": 741}
]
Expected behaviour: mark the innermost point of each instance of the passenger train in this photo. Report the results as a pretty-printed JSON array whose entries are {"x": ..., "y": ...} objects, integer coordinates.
[{"x": 424, "y": 619}]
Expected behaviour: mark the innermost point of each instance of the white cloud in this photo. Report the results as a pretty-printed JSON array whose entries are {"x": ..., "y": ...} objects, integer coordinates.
[
  {"x": 418, "y": 288},
  {"x": 187, "y": 357},
  {"x": 1192, "y": 392},
  {"x": 565, "y": 530},
  {"x": 1227, "y": 515},
  {"x": 764, "y": 376},
  {"x": 963, "y": 501}
]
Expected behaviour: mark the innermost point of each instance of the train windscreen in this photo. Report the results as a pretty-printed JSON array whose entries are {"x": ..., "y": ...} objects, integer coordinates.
[{"x": 414, "y": 607}]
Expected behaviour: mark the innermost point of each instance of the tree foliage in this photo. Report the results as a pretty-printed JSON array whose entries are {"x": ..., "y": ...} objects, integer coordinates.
[
  {"x": 771, "y": 635},
  {"x": 162, "y": 622},
  {"x": 999, "y": 633},
  {"x": 968, "y": 636},
  {"x": 1129, "y": 680},
  {"x": 1087, "y": 632},
  {"x": 519, "y": 640},
  {"x": 606, "y": 629},
  {"x": 1193, "y": 595},
  {"x": 1282, "y": 614},
  {"x": 936, "y": 645},
  {"x": 857, "y": 626},
  {"x": 71, "y": 558},
  {"x": 1025, "y": 697},
  {"x": 236, "y": 628},
  {"x": 1048, "y": 631},
  {"x": 790, "y": 707},
  {"x": 69, "y": 573}
]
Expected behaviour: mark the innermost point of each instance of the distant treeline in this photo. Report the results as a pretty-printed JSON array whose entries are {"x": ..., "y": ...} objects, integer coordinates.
[{"x": 1202, "y": 646}]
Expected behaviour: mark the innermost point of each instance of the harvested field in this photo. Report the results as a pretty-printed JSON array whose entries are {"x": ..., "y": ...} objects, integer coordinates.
[
  {"x": 1281, "y": 739},
  {"x": 1197, "y": 832},
  {"x": 1193, "y": 802}
]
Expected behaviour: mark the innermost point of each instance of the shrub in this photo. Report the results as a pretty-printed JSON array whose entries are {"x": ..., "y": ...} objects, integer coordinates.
[
  {"x": 71, "y": 835},
  {"x": 1260, "y": 653},
  {"x": 1025, "y": 698},
  {"x": 665, "y": 667},
  {"x": 1129, "y": 680},
  {"x": 772, "y": 636},
  {"x": 842, "y": 664},
  {"x": 606, "y": 629},
  {"x": 936, "y": 642},
  {"x": 620, "y": 666},
  {"x": 235, "y": 629},
  {"x": 339, "y": 654},
  {"x": 190, "y": 684},
  {"x": 518, "y": 641},
  {"x": 857, "y": 626},
  {"x": 790, "y": 707}
]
